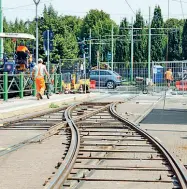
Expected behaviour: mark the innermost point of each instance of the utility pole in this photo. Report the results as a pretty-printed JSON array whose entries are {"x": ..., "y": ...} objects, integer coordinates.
[
  {"x": 84, "y": 60},
  {"x": 149, "y": 47},
  {"x": 112, "y": 50},
  {"x": 132, "y": 50},
  {"x": 90, "y": 49},
  {"x": 1, "y": 29},
  {"x": 167, "y": 51},
  {"x": 36, "y": 3},
  {"x": 48, "y": 50}
]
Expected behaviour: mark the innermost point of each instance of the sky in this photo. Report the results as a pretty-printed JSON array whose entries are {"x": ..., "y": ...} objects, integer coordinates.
[{"x": 118, "y": 9}]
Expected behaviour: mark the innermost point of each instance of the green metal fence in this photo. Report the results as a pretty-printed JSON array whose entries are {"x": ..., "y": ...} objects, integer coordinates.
[{"x": 22, "y": 85}]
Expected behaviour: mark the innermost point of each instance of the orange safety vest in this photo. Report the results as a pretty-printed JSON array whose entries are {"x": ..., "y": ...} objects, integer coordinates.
[
  {"x": 168, "y": 75},
  {"x": 22, "y": 49}
]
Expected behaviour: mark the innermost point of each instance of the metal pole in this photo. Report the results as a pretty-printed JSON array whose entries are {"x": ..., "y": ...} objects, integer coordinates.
[
  {"x": 90, "y": 49},
  {"x": 149, "y": 48},
  {"x": 132, "y": 50},
  {"x": 167, "y": 50},
  {"x": 84, "y": 57},
  {"x": 36, "y": 33},
  {"x": 1, "y": 29},
  {"x": 182, "y": 78},
  {"x": 99, "y": 72},
  {"x": 36, "y": 3},
  {"x": 48, "y": 52},
  {"x": 112, "y": 50}
]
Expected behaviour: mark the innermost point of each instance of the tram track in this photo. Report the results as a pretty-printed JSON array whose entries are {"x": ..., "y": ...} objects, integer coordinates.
[
  {"x": 108, "y": 151},
  {"x": 49, "y": 123}
]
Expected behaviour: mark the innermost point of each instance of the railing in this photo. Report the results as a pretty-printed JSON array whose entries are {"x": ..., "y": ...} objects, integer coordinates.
[{"x": 22, "y": 85}]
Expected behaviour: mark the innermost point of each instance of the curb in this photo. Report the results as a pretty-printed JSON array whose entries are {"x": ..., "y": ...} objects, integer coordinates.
[{"x": 26, "y": 110}]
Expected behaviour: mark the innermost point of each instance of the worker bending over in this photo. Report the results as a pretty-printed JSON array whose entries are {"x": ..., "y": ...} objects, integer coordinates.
[
  {"x": 38, "y": 74},
  {"x": 22, "y": 54}
]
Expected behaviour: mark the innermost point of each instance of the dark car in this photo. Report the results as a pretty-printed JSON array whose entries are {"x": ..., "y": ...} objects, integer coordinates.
[{"x": 106, "y": 78}]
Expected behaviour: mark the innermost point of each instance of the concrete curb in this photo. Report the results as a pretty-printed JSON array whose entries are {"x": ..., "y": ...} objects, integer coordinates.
[{"x": 36, "y": 108}]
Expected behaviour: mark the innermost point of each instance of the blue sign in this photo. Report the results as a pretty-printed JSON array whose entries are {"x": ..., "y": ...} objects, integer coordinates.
[
  {"x": 51, "y": 34},
  {"x": 46, "y": 45}
]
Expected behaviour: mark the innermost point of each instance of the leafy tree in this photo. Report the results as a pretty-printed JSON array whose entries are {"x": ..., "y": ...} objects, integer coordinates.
[
  {"x": 65, "y": 43},
  {"x": 140, "y": 42},
  {"x": 184, "y": 41},
  {"x": 122, "y": 44},
  {"x": 101, "y": 25},
  {"x": 174, "y": 39},
  {"x": 157, "y": 39}
]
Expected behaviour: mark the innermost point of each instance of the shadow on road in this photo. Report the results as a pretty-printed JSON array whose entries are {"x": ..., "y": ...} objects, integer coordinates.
[{"x": 169, "y": 116}]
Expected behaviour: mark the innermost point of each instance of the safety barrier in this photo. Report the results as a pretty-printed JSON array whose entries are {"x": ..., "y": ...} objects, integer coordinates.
[{"x": 22, "y": 85}]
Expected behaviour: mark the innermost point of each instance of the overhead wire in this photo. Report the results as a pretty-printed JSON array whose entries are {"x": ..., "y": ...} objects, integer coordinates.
[
  {"x": 130, "y": 6},
  {"x": 23, "y": 6},
  {"x": 182, "y": 8}
]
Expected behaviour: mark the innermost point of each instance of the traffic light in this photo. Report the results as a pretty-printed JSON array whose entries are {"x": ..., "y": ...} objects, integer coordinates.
[
  {"x": 83, "y": 47},
  {"x": 86, "y": 49}
]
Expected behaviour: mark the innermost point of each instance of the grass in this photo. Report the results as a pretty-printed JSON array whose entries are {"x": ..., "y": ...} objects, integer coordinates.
[{"x": 52, "y": 105}]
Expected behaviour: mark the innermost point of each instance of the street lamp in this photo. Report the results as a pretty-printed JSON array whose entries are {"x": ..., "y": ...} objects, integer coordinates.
[{"x": 36, "y": 3}]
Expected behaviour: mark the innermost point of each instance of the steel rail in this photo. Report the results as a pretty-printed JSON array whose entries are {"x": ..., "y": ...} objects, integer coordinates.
[
  {"x": 177, "y": 168},
  {"x": 72, "y": 154}
]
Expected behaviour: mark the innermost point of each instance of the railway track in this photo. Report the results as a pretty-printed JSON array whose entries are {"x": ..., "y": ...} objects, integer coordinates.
[
  {"x": 107, "y": 151},
  {"x": 44, "y": 125}
]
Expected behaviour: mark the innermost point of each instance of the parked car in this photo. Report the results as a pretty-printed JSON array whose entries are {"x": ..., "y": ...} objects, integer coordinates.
[{"x": 106, "y": 78}]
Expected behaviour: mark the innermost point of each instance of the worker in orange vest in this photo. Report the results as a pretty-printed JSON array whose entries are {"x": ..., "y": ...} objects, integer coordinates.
[
  {"x": 24, "y": 55},
  {"x": 38, "y": 74},
  {"x": 22, "y": 48},
  {"x": 169, "y": 77}
]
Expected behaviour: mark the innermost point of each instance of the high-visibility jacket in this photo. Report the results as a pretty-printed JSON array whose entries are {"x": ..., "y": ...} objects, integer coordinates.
[
  {"x": 22, "y": 49},
  {"x": 168, "y": 75}
]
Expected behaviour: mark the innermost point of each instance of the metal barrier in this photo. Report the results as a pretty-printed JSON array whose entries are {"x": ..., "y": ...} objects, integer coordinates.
[
  {"x": 22, "y": 85},
  {"x": 154, "y": 78}
]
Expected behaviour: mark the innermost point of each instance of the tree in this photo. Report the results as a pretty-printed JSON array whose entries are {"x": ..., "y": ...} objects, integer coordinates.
[
  {"x": 122, "y": 44},
  {"x": 140, "y": 42},
  {"x": 65, "y": 43},
  {"x": 157, "y": 39},
  {"x": 184, "y": 41},
  {"x": 174, "y": 38},
  {"x": 101, "y": 25}
]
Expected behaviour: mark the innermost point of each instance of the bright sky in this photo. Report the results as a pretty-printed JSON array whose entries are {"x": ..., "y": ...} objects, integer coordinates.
[{"x": 116, "y": 8}]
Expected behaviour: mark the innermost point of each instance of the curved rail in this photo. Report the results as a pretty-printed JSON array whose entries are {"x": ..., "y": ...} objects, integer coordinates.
[
  {"x": 70, "y": 159},
  {"x": 73, "y": 150},
  {"x": 178, "y": 169},
  {"x": 71, "y": 155}
]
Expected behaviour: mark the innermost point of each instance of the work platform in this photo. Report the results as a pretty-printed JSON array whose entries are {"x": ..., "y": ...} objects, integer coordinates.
[{"x": 16, "y": 107}]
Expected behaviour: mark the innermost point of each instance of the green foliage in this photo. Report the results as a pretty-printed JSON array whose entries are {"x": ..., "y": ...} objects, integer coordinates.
[
  {"x": 184, "y": 41},
  {"x": 67, "y": 29},
  {"x": 140, "y": 40},
  {"x": 52, "y": 105},
  {"x": 101, "y": 24},
  {"x": 122, "y": 44},
  {"x": 158, "y": 40},
  {"x": 174, "y": 35}
]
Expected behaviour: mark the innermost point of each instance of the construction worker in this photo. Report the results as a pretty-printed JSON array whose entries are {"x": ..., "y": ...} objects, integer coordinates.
[
  {"x": 169, "y": 77},
  {"x": 22, "y": 54},
  {"x": 38, "y": 74}
]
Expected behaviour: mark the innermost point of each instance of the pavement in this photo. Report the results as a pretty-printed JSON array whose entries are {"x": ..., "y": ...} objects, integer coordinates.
[
  {"x": 166, "y": 122},
  {"x": 16, "y": 106}
]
